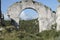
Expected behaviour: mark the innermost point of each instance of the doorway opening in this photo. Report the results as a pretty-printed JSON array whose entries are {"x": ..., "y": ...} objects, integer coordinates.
[{"x": 29, "y": 21}]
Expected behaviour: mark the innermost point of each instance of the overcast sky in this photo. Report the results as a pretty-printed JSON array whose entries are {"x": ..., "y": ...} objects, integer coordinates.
[{"x": 6, "y": 3}]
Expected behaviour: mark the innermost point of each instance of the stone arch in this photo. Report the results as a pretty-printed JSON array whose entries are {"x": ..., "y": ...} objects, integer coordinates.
[
  {"x": 17, "y": 8},
  {"x": 28, "y": 8}
]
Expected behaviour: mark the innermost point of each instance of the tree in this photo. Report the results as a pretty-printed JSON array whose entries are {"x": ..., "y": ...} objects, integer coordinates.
[{"x": 58, "y": 0}]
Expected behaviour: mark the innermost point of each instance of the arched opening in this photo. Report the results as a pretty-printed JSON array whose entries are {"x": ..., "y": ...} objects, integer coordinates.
[{"x": 29, "y": 21}]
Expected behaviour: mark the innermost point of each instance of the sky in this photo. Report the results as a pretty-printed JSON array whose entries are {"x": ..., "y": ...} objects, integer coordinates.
[
  {"x": 6, "y": 3},
  {"x": 31, "y": 14}
]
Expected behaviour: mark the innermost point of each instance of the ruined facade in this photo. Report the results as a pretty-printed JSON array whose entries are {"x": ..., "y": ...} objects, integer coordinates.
[
  {"x": 58, "y": 18},
  {"x": 46, "y": 17}
]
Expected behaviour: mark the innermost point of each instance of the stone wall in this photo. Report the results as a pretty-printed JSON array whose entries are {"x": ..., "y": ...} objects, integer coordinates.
[
  {"x": 46, "y": 16},
  {"x": 58, "y": 18}
]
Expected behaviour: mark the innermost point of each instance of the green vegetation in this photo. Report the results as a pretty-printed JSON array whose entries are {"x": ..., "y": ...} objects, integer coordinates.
[
  {"x": 18, "y": 35},
  {"x": 58, "y": 0},
  {"x": 49, "y": 35},
  {"x": 30, "y": 26},
  {"x": 7, "y": 23},
  {"x": 28, "y": 31}
]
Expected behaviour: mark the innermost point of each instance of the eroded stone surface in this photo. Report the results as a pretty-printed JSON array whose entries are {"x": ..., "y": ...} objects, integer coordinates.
[
  {"x": 45, "y": 14},
  {"x": 58, "y": 18}
]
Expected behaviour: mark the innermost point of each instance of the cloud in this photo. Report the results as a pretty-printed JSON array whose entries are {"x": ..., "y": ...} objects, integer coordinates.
[
  {"x": 28, "y": 16},
  {"x": 23, "y": 16}
]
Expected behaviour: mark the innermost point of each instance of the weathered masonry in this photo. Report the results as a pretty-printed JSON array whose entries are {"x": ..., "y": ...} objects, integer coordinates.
[
  {"x": 58, "y": 18},
  {"x": 46, "y": 16}
]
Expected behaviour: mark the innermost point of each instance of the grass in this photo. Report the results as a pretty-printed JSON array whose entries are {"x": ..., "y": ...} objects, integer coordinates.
[
  {"x": 22, "y": 35},
  {"x": 28, "y": 32}
]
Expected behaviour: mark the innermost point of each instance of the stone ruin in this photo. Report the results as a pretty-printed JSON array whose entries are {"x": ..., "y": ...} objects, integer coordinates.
[
  {"x": 46, "y": 16},
  {"x": 58, "y": 18}
]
